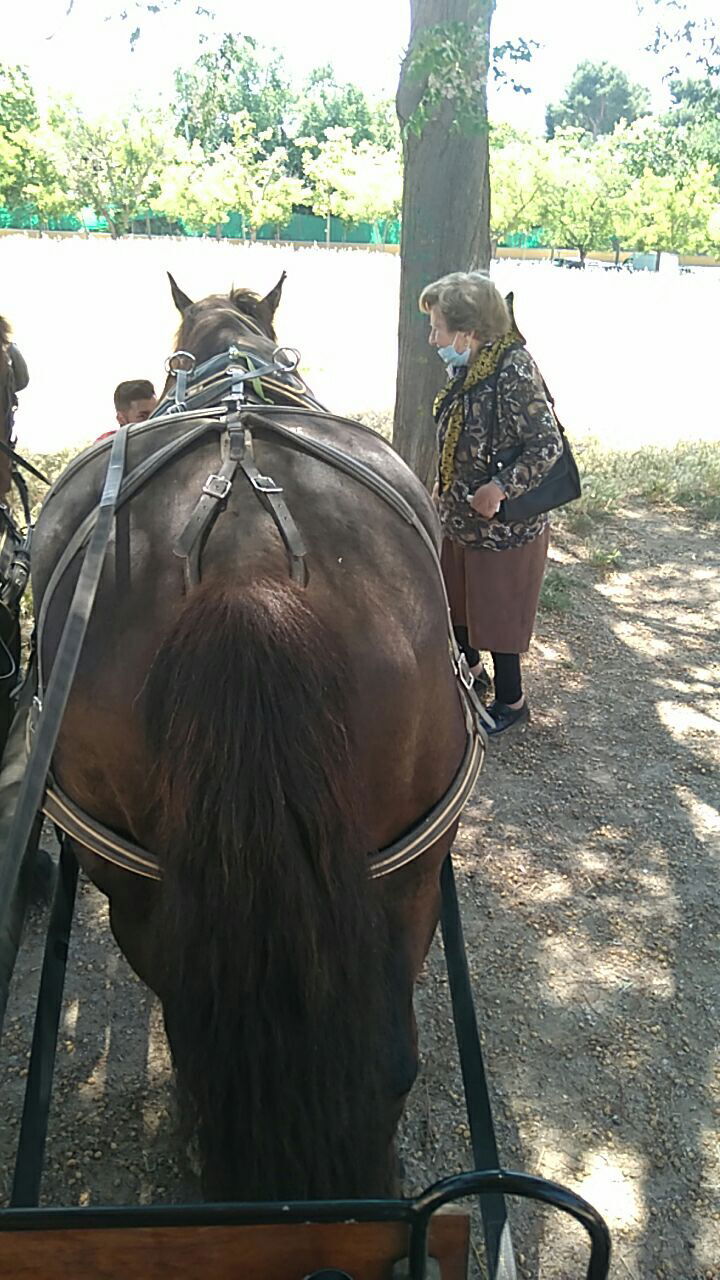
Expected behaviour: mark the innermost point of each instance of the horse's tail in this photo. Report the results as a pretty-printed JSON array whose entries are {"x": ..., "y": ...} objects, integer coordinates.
[{"x": 273, "y": 947}]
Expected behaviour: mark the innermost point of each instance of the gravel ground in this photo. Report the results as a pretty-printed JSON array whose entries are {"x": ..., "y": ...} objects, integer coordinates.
[{"x": 588, "y": 867}]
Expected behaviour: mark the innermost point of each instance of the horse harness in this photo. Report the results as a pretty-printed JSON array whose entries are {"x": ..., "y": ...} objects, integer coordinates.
[{"x": 196, "y": 396}]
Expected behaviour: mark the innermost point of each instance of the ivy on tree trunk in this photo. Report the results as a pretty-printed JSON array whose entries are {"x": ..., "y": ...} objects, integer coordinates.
[{"x": 442, "y": 109}]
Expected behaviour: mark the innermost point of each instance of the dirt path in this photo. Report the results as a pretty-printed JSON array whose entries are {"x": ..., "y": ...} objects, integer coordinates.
[{"x": 589, "y": 869}]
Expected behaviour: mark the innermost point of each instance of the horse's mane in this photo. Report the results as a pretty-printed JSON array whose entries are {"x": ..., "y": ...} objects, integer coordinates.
[{"x": 4, "y": 333}]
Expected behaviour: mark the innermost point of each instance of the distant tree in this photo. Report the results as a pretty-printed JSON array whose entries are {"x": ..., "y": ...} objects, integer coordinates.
[
  {"x": 261, "y": 187},
  {"x": 598, "y": 97},
  {"x": 19, "y": 120},
  {"x": 323, "y": 103},
  {"x": 45, "y": 186},
  {"x": 18, "y": 106},
  {"x": 194, "y": 190},
  {"x": 518, "y": 182},
  {"x": 237, "y": 75},
  {"x": 582, "y": 201},
  {"x": 374, "y": 188},
  {"x": 329, "y": 167},
  {"x": 672, "y": 214},
  {"x": 114, "y": 166}
]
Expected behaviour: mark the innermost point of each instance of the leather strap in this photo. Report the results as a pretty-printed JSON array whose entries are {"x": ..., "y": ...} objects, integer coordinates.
[
  {"x": 62, "y": 676},
  {"x": 216, "y": 491},
  {"x": 124, "y": 853},
  {"x": 271, "y": 497}
]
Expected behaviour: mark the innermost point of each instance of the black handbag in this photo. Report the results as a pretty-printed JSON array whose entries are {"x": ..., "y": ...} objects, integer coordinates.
[{"x": 560, "y": 485}]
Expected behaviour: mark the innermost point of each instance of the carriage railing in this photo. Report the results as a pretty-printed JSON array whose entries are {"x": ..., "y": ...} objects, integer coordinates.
[{"x": 415, "y": 1213}]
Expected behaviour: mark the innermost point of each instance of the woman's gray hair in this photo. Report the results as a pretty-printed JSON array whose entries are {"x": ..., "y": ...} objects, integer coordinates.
[{"x": 470, "y": 303}]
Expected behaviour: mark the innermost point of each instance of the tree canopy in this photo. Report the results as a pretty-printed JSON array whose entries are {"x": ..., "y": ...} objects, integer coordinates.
[{"x": 597, "y": 98}]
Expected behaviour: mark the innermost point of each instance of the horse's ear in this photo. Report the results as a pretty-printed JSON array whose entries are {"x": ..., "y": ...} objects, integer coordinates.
[
  {"x": 181, "y": 300},
  {"x": 272, "y": 299}
]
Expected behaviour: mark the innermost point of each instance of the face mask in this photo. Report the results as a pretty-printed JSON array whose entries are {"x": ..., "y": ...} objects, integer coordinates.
[{"x": 451, "y": 356}]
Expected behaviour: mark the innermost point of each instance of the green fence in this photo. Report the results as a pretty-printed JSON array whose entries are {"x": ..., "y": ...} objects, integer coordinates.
[{"x": 306, "y": 228}]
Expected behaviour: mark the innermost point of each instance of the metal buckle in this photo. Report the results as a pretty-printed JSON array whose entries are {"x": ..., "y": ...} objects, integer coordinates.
[
  {"x": 265, "y": 484},
  {"x": 217, "y": 486},
  {"x": 464, "y": 673}
]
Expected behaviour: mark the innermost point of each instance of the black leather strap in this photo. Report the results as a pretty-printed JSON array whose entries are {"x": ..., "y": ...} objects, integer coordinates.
[
  {"x": 501, "y": 1262},
  {"x": 216, "y": 491},
  {"x": 270, "y": 494},
  {"x": 61, "y": 678}
]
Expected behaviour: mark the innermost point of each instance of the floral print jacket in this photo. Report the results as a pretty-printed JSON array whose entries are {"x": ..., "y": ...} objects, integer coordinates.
[{"x": 524, "y": 418}]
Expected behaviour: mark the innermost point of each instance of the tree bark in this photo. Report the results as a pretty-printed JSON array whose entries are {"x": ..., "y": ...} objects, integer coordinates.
[{"x": 445, "y": 223}]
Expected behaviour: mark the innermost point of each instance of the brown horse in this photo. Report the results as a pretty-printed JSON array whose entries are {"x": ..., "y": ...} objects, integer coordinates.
[{"x": 262, "y": 738}]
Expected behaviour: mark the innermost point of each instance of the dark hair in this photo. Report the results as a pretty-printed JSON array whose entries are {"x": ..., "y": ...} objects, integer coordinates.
[{"x": 136, "y": 389}]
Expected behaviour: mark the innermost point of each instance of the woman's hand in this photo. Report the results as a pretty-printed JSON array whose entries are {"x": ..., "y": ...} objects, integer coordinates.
[
  {"x": 435, "y": 495},
  {"x": 486, "y": 500}
]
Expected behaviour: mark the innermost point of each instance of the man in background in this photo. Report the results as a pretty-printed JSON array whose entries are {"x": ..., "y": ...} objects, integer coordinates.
[{"x": 134, "y": 401}]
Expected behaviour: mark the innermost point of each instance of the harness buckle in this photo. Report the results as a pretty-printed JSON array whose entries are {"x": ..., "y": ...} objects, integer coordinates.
[
  {"x": 465, "y": 675},
  {"x": 265, "y": 484},
  {"x": 217, "y": 487}
]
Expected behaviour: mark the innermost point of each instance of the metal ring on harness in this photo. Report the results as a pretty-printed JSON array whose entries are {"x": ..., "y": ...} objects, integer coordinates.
[
  {"x": 286, "y": 365},
  {"x": 171, "y": 365}
]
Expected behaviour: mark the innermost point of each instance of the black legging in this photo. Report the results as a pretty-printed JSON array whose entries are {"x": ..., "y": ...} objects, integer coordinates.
[{"x": 508, "y": 679}]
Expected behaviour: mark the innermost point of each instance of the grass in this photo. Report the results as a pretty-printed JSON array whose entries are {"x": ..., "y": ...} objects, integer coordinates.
[
  {"x": 556, "y": 592},
  {"x": 685, "y": 475}
]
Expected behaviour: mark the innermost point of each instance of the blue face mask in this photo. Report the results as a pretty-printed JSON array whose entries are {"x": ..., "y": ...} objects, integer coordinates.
[{"x": 451, "y": 356}]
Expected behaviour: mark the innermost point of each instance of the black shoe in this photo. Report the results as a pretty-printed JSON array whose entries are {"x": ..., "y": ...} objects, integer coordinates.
[{"x": 504, "y": 717}]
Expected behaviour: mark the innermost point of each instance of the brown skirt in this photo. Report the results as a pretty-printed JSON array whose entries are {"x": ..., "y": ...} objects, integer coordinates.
[{"x": 495, "y": 593}]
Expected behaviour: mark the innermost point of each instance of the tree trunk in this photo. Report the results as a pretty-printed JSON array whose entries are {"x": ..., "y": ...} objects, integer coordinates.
[
  {"x": 445, "y": 218},
  {"x": 658, "y": 255}
]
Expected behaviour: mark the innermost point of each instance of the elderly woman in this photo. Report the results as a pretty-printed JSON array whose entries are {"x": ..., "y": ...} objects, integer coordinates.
[{"x": 495, "y": 402}]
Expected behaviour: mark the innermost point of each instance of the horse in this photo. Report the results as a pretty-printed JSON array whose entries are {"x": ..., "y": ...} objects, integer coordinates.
[{"x": 262, "y": 736}]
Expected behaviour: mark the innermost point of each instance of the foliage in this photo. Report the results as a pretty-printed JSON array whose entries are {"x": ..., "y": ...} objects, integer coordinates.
[
  {"x": 113, "y": 166},
  {"x": 238, "y": 75},
  {"x": 261, "y": 187},
  {"x": 18, "y": 107},
  {"x": 329, "y": 167},
  {"x": 519, "y": 179},
  {"x": 514, "y": 52},
  {"x": 581, "y": 198},
  {"x": 670, "y": 213},
  {"x": 374, "y": 188},
  {"x": 679, "y": 30},
  {"x": 19, "y": 120},
  {"x": 598, "y": 97},
  {"x": 323, "y": 104},
  {"x": 193, "y": 190},
  {"x": 450, "y": 61}
]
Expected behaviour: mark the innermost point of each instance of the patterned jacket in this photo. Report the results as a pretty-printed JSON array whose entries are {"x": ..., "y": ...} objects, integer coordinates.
[{"x": 524, "y": 418}]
